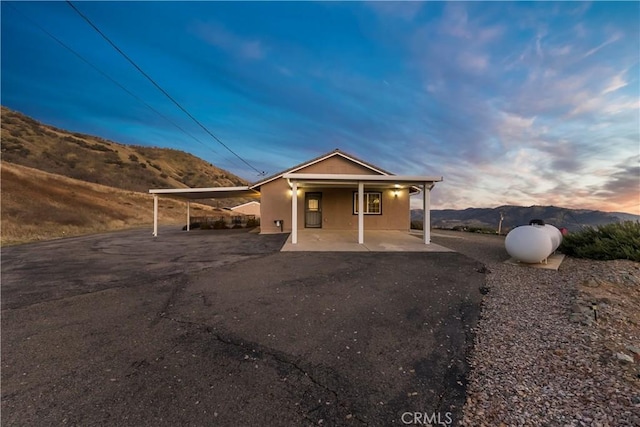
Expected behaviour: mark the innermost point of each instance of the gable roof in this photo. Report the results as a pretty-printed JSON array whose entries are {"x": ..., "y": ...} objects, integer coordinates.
[
  {"x": 253, "y": 202},
  {"x": 333, "y": 153}
]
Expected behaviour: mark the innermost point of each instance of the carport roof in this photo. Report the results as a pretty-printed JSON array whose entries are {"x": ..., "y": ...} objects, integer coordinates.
[{"x": 206, "y": 193}]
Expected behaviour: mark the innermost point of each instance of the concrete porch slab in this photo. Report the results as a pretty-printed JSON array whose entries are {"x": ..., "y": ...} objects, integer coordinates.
[{"x": 320, "y": 240}]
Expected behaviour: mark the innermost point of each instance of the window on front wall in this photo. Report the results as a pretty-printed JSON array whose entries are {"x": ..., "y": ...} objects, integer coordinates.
[{"x": 372, "y": 203}]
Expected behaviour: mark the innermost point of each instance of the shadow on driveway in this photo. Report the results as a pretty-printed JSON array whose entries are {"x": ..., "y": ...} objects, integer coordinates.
[{"x": 206, "y": 328}]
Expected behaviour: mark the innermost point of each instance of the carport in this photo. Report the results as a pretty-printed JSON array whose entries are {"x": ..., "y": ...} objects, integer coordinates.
[{"x": 189, "y": 194}]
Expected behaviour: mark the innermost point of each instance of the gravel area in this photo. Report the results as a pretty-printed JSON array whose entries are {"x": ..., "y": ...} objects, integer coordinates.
[{"x": 542, "y": 354}]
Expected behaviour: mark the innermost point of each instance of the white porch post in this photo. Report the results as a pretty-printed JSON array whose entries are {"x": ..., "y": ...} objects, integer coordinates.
[
  {"x": 294, "y": 212},
  {"x": 188, "y": 215},
  {"x": 155, "y": 215},
  {"x": 360, "y": 212},
  {"x": 426, "y": 209}
]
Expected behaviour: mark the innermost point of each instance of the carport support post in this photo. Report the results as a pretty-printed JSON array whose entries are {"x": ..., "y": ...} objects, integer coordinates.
[
  {"x": 294, "y": 212},
  {"x": 188, "y": 215},
  {"x": 360, "y": 212},
  {"x": 426, "y": 209},
  {"x": 155, "y": 215}
]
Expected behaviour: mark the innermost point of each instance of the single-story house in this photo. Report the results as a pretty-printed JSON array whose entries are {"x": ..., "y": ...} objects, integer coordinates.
[
  {"x": 249, "y": 208},
  {"x": 327, "y": 192}
]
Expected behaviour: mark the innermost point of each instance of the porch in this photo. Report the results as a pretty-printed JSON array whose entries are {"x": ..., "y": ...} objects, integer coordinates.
[{"x": 323, "y": 240}]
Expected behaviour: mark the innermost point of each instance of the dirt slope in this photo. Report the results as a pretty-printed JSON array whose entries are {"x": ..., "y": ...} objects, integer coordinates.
[
  {"x": 28, "y": 142},
  {"x": 38, "y": 205}
]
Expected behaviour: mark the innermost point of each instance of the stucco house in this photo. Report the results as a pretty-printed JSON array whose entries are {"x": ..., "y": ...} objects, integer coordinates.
[
  {"x": 326, "y": 193},
  {"x": 249, "y": 208}
]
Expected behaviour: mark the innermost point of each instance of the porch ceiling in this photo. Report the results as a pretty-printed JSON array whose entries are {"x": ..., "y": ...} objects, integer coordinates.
[
  {"x": 308, "y": 180},
  {"x": 354, "y": 179}
]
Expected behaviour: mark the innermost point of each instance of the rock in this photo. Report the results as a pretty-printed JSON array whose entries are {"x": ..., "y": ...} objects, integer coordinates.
[
  {"x": 576, "y": 308},
  {"x": 587, "y": 321},
  {"x": 630, "y": 280},
  {"x": 592, "y": 283},
  {"x": 576, "y": 317},
  {"x": 633, "y": 349},
  {"x": 625, "y": 358}
]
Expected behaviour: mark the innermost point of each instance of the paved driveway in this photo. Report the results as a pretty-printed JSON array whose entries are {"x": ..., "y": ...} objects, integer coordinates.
[{"x": 220, "y": 328}]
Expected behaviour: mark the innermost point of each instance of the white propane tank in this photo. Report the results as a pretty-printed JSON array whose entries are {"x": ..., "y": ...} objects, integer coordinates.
[
  {"x": 556, "y": 236},
  {"x": 532, "y": 243}
]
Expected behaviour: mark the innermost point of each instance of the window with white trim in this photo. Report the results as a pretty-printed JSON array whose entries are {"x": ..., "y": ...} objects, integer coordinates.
[{"x": 372, "y": 203}]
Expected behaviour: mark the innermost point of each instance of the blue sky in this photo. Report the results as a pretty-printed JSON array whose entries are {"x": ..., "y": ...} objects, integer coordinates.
[{"x": 513, "y": 103}]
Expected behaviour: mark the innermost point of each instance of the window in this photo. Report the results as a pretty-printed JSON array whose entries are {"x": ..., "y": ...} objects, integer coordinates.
[
  {"x": 372, "y": 203},
  {"x": 314, "y": 206}
]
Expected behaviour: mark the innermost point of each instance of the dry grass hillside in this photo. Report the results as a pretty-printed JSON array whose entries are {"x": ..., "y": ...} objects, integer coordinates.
[
  {"x": 27, "y": 142},
  {"x": 38, "y": 205}
]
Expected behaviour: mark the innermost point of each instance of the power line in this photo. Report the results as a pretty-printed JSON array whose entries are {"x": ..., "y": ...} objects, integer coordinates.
[
  {"x": 160, "y": 88},
  {"x": 109, "y": 77}
]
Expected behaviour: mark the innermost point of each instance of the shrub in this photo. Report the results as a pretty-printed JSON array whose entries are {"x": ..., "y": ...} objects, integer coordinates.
[
  {"x": 99, "y": 147},
  {"x": 116, "y": 162},
  {"x": 416, "y": 225},
  {"x": 253, "y": 222},
  {"x": 219, "y": 225},
  {"x": 481, "y": 230},
  {"x": 620, "y": 240}
]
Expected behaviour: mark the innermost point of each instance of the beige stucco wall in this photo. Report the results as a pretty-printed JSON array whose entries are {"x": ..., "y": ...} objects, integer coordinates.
[
  {"x": 275, "y": 203},
  {"x": 337, "y": 203}
]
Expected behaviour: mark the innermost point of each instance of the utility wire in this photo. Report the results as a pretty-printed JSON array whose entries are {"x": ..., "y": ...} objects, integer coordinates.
[
  {"x": 109, "y": 77},
  {"x": 160, "y": 88}
]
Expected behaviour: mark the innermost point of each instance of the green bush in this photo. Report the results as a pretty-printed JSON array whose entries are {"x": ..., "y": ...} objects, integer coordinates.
[{"x": 620, "y": 240}]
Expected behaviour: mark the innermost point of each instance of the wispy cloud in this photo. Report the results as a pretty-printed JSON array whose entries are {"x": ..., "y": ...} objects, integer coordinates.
[
  {"x": 473, "y": 62},
  {"x": 612, "y": 39},
  {"x": 616, "y": 82},
  {"x": 405, "y": 10},
  {"x": 217, "y": 35}
]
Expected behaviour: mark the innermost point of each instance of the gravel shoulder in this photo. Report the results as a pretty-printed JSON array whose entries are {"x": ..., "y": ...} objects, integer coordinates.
[{"x": 541, "y": 357}]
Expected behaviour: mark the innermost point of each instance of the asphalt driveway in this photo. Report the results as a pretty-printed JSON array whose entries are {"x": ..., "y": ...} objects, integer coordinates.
[{"x": 220, "y": 328}]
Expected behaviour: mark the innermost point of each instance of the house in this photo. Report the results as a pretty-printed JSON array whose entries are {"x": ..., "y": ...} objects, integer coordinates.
[
  {"x": 249, "y": 208},
  {"x": 327, "y": 193}
]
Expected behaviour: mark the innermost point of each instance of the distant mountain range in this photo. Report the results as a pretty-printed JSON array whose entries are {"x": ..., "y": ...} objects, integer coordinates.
[{"x": 572, "y": 219}]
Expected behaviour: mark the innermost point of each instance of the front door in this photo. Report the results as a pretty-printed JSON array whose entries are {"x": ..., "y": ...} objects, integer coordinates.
[{"x": 313, "y": 210}]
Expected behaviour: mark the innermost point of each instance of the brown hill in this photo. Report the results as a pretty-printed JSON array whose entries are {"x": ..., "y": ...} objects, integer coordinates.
[
  {"x": 28, "y": 142},
  {"x": 38, "y": 205}
]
